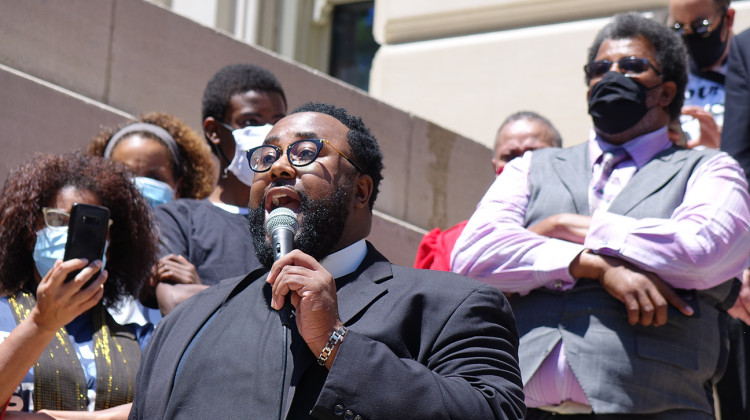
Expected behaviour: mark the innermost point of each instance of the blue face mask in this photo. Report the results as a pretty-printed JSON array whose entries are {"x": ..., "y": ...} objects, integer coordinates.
[
  {"x": 156, "y": 192},
  {"x": 50, "y": 247}
]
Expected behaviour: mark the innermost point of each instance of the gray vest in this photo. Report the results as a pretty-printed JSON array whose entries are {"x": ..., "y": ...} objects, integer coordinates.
[{"x": 621, "y": 368}]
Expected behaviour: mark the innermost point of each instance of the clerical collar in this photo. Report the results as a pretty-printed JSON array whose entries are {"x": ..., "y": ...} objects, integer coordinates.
[{"x": 345, "y": 261}]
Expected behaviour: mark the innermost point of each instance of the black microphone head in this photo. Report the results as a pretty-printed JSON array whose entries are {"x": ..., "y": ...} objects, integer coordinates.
[{"x": 281, "y": 217}]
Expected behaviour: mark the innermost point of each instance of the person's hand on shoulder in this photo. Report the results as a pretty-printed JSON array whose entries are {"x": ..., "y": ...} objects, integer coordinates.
[{"x": 175, "y": 269}]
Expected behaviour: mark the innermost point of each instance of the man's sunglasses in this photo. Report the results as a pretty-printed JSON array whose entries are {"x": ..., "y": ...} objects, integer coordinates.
[
  {"x": 630, "y": 66},
  {"x": 700, "y": 27}
]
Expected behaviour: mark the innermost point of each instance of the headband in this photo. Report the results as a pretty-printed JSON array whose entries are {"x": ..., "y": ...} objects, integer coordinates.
[{"x": 157, "y": 131}]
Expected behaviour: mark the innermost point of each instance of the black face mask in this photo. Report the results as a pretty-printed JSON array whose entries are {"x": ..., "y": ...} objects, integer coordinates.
[
  {"x": 705, "y": 52},
  {"x": 617, "y": 103}
]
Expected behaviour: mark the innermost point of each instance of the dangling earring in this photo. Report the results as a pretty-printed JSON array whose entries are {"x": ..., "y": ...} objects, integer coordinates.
[{"x": 226, "y": 173}]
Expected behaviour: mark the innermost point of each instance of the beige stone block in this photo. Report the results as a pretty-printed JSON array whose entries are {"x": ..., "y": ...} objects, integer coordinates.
[
  {"x": 39, "y": 118},
  {"x": 448, "y": 176},
  {"x": 396, "y": 240},
  {"x": 63, "y": 42},
  {"x": 162, "y": 61},
  {"x": 398, "y": 21},
  {"x": 484, "y": 78}
]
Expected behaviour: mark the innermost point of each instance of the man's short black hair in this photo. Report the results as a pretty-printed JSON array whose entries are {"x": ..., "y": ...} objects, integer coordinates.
[
  {"x": 363, "y": 145},
  {"x": 669, "y": 48},
  {"x": 234, "y": 79}
]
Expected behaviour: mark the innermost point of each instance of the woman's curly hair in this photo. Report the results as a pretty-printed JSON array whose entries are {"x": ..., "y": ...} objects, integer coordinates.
[
  {"x": 197, "y": 171},
  {"x": 132, "y": 250}
]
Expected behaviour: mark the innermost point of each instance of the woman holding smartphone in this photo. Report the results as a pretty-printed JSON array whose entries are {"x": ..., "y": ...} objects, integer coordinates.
[{"x": 59, "y": 347}]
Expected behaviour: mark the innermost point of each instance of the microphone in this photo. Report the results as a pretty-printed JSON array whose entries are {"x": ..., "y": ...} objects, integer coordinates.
[{"x": 281, "y": 227}]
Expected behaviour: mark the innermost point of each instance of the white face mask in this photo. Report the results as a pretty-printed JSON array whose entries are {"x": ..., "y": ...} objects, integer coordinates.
[
  {"x": 245, "y": 139},
  {"x": 50, "y": 247}
]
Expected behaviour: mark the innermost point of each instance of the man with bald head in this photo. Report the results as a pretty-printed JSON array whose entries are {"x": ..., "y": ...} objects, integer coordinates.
[
  {"x": 521, "y": 132},
  {"x": 354, "y": 337}
]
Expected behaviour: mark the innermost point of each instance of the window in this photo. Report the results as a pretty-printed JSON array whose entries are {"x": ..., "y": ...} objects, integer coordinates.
[{"x": 352, "y": 43}]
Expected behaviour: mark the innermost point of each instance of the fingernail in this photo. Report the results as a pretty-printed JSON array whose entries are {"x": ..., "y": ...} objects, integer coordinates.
[{"x": 690, "y": 310}]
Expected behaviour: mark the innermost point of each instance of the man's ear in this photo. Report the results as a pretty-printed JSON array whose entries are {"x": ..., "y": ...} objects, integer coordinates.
[
  {"x": 729, "y": 20},
  {"x": 363, "y": 191},
  {"x": 211, "y": 130},
  {"x": 495, "y": 162},
  {"x": 668, "y": 92}
]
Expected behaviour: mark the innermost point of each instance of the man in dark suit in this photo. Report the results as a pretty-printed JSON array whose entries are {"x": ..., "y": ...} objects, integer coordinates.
[
  {"x": 368, "y": 340},
  {"x": 735, "y": 139},
  {"x": 734, "y": 388}
]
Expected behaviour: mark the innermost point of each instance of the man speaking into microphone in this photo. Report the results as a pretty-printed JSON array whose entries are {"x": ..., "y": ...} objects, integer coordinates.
[{"x": 366, "y": 339}]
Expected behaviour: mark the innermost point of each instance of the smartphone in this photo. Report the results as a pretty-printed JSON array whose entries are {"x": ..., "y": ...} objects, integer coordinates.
[{"x": 87, "y": 235}]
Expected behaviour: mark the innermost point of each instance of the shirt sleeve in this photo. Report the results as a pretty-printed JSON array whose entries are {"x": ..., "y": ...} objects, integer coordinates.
[
  {"x": 705, "y": 242},
  {"x": 496, "y": 249},
  {"x": 173, "y": 234}
]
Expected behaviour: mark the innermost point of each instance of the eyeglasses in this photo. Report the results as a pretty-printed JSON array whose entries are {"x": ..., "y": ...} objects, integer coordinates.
[
  {"x": 627, "y": 65},
  {"x": 700, "y": 27},
  {"x": 55, "y": 218},
  {"x": 58, "y": 219},
  {"x": 299, "y": 153}
]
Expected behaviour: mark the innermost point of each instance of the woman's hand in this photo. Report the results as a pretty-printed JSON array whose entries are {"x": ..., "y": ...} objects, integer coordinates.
[{"x": 58, "y": 302}]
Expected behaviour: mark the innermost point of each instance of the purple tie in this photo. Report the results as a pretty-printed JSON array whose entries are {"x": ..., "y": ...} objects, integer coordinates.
[{"x": 599, "y": 195}]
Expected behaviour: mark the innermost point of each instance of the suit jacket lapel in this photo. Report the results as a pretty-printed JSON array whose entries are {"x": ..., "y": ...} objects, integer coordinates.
[
  {"x": 368, "y": 282},
  {"x": 648, "y": 180},
  {"x": 573, "y": 168},
  {"x": 355, "y": 292}
]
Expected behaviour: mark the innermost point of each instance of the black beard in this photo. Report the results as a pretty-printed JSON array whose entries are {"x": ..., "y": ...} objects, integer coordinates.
[{"x": 321, "y": 228}]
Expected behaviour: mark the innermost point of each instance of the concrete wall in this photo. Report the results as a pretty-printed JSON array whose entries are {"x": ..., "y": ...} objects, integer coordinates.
[
  {"x": 129, "y": 56},
  {"x": 38, "y": 117},
  {"x": 469, "y": 64}
]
